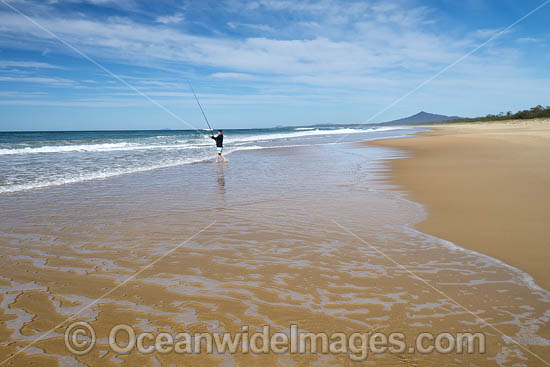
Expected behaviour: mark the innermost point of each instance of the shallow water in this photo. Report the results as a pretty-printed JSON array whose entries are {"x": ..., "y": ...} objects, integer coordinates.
[
  {"x": 306, "y": 235},
  {"x": 30, "y": 160}
]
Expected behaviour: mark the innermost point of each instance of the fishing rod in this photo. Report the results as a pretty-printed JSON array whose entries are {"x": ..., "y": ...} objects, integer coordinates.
[{"x": 207, "y": 123}]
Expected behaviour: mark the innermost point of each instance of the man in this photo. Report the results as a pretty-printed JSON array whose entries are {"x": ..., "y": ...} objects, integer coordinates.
[{"x": 219, "y": 146}]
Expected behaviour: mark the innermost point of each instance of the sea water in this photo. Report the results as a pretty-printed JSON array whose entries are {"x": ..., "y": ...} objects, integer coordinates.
[{"x": 30, "y": 160}]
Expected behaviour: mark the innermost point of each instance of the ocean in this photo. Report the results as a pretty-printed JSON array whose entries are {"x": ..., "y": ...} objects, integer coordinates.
[{"x": 31, "y": 160}]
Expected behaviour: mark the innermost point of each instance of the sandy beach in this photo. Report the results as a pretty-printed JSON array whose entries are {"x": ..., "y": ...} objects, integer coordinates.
[
  {"x": 314, "y": 236},
  {"x": 274, "y": 183},
  {"x": 486, "y": 187}
]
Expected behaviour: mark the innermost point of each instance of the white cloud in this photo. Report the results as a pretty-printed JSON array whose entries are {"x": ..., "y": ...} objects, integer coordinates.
[
  {"x": 528, "y": 40},
  {"x": 19, "y": 94},
  {"x": 27, "y": 64},
  {"x": 240, "y": 76},
  {"x": 74, "y": 103},
  {"x": 381, "y": 39},
  {"x": 490, "y": 32},
  {"x": 330, "y": 46},
  {"x": 123, "y": 4},
  {"x": 171, "y": 19},
  {"x": 257, "y": 27},
  {"x": 38, "y": 80},
  {"x": 142, "y": 42},
  {"x": 209, "y": 100}
]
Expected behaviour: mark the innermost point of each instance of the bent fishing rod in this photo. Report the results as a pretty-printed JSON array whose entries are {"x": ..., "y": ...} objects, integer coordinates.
[{"x": 204, "y": 115}]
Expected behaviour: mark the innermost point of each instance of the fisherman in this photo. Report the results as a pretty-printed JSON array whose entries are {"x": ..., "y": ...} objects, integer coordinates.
[{"x": 219, "y": 146}]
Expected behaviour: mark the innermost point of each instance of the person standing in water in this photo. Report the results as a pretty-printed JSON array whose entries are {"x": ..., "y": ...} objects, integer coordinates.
[{"x": 219, "y": 146}]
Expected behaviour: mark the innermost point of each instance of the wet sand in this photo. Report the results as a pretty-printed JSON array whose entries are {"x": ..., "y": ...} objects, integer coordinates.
[
  {"x": 487, "y": 188},
  {"x": 254, "y": 243}
]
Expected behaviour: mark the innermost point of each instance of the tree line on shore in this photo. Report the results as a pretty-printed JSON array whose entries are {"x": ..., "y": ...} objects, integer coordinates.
[{"x": 532, "y": 113}]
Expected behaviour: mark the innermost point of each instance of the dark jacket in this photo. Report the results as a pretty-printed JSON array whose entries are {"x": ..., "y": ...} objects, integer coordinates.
[{"x": 219, "y": 140}]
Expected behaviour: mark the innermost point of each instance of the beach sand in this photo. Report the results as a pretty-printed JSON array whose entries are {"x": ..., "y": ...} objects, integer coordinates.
[
  {"x": 486, "y": 187},
  {"x": 307, "y": 235}
]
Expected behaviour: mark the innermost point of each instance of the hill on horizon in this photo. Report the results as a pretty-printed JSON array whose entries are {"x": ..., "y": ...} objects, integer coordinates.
[{"x": 421, "y": 117}]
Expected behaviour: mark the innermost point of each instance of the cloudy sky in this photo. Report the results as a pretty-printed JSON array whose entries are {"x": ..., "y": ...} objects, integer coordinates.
[{"x": 125, "y": 64}]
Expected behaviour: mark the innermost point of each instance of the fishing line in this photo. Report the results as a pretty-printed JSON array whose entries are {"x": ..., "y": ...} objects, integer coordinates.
[{"x": 196, "y": 99}]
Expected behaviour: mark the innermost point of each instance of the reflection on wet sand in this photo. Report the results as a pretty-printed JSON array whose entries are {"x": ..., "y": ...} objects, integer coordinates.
[
  {"x": 274, "y": 256},
  {"x": 221, "y": 177}
]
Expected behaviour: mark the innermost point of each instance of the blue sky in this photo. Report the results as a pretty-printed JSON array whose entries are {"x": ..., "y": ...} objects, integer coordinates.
[{"x": 265, "y": 62}]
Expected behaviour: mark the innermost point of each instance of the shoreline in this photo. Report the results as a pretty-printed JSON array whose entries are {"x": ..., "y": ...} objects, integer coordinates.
[{"x": 485, "y": 187}]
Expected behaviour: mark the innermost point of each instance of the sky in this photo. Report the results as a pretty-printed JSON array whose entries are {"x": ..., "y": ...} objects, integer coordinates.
[{"x": 128, "y": 64}]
